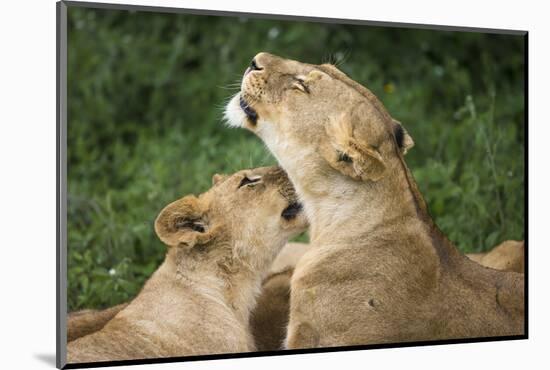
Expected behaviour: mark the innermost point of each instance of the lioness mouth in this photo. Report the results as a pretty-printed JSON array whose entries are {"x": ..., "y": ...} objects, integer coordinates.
[
  {"x": 291, "y": 211},
  {"x": 247, "y": 109}
]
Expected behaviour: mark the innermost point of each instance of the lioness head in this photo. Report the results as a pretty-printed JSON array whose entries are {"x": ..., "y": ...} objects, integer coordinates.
[
  {"x": 316, "y": 114},
  {"x": 240, "y": 223}
]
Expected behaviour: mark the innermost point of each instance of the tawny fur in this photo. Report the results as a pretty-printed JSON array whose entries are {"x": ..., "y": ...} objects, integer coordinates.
[
  {"x": 84, "y": 322},
  {"x": 379, "y": 269},
  {"x": 220, "y": 246},
  {"x": 273, "y": 298},
  {"x": 269, "y": 319},
  {"x": 288, "y": 257},
  {"x": 507, "y": 256}
]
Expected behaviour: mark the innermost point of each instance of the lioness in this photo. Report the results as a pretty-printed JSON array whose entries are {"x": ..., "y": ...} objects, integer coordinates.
[
  {"x": 379, "y": 269},
  {"x": 507, "y": 256},
  {"x": 220, "y": 245}
]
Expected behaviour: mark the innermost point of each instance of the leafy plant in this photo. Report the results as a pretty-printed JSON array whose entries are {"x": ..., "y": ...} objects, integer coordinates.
[{"x": 145, "y": 99}]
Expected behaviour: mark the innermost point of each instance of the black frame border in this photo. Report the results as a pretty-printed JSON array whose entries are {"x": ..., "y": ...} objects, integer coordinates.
[{"x": 61, "y": 186}]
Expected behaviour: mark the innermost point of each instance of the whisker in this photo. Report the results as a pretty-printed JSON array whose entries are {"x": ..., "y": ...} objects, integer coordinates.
[
  {"x": 228, "y": 87},
  {"x": 340, "y": 61},
  {"x": 328, "y": 58}
]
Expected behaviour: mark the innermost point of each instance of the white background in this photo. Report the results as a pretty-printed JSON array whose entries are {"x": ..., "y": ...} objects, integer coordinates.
[{"x": 27, "y": 193}]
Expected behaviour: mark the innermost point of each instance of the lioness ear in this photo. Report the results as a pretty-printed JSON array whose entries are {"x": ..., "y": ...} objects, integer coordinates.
[
  {"x": 403, "y": 139},
  {"x": 313, "y": 75},
  {"x": 353, "y": 145},
  {"x": 182, "y": 224},
  {"x": 217, "y": 178}
]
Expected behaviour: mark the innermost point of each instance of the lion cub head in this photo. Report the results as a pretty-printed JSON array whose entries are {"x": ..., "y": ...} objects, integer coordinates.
[
  {"x": 240, "y": 224},
  {"x": 318, "y": 114}
]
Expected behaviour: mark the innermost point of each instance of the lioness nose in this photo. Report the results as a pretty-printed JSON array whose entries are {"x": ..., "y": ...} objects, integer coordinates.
[{"x": 252, "y": 67}]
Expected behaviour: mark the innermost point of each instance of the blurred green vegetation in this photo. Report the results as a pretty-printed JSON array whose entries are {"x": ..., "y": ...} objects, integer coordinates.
[{"x": 145, "y": 99}]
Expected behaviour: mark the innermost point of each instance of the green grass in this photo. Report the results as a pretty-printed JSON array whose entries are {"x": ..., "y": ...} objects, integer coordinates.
[{"x": 145, "y": 100}]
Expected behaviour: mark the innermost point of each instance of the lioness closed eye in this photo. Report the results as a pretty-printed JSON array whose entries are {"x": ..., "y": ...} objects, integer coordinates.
[
  {"x": 379, "y": 269},
  {"x": 220, "y": 245}
]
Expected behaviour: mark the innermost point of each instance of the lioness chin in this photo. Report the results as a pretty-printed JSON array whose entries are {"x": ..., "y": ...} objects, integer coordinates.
[
  {"x": 220, "y": 245},
  {"x": 379, "y": 269}
]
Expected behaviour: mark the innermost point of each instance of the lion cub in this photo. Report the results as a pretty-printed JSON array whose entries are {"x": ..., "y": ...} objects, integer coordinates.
[
  {"x": 268, "y": 319},
  {"x": 220, "y": 246}
]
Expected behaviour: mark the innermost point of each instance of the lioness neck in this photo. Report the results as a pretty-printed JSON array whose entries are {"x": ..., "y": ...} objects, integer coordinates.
[{"x": 366, "y": 208}]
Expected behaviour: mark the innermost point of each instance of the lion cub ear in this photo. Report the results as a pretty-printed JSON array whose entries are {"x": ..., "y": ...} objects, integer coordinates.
[
  {"x": 353, "y": 145},
  {"x": 182, "y": 224},
  {"x": 402, "y": 138}
]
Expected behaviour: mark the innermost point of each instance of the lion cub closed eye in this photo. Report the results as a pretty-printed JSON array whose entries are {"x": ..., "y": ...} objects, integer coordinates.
[{"x": 220, "y": 246}]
